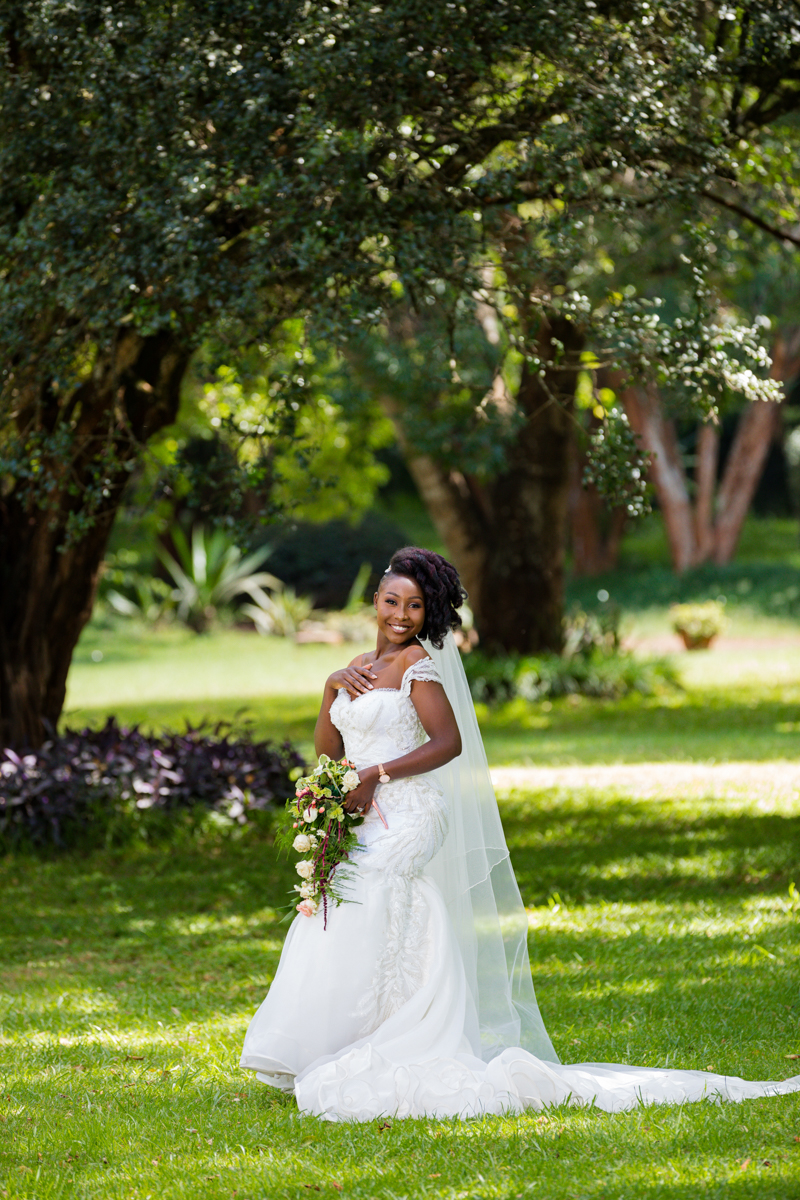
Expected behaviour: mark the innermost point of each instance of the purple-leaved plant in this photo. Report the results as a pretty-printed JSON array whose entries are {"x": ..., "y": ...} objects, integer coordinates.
[{"x": 82, "y": 784}]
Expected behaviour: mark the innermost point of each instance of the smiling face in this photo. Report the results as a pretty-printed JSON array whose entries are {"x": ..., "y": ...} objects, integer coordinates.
[{"x": 400, "y": 607}]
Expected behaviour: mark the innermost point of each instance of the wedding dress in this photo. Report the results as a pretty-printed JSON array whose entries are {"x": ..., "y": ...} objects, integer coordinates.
[{"x": 395, "y": 1009}]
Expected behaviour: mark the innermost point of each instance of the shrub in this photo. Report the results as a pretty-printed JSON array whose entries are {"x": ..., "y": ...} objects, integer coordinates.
[
  {"x": 209, "y": 572},
  {"x": 279, "y": 612},
  {"x": 586, "y": 633},
  {"x": 152, "y": 599},
  {"x": 106, "y": 785},
  {"x": 540, "y": 677},
  {"x": 592, "y": 665},
  {"x": 131, "y": 592},
  {"x": 354, "y": 625}
]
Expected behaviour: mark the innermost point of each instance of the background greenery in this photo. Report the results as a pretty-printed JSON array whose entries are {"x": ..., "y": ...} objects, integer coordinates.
[
  {"x": 664, "y": 931},
  {"x": 740, "y": 700},
  {"x": 664, "y": 927}
]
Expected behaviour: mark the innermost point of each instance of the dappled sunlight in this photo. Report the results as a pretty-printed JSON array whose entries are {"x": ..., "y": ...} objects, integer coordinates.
[
  {"x": 130, "y": 978},
  {"x": 616, "y": 848},
  {"x": 699, "y": 725},
  {"x": 663, "y": 931}
]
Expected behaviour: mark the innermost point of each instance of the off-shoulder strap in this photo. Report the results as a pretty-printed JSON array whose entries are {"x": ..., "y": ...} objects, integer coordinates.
[{"x": 424, "y": 670}]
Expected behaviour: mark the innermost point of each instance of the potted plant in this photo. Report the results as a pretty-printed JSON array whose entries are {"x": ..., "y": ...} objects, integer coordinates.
[{"x": 698, "y": 624}]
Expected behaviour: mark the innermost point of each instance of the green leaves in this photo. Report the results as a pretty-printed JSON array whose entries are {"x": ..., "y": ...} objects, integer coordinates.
[
  {"x": 174, "y": 172},
  {"x": 159, "y": 168},
  {"x": 617, "y": 465},
  {"x": 210, "y": 571}
]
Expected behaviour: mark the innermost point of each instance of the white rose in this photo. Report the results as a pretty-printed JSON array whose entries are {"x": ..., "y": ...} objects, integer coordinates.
[
  {"x": 302, "y": 843},
  {"x": 351, "y": 780},
  {"x": 310, "y": 815},
  {"x": 305, "y": 869}
]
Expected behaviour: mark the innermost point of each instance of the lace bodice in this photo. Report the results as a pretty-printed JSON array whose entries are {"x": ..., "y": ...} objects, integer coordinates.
[
  {"x": 379, "y": 726},
  {"x": 382, "y": 724},
  {"x": 376, "y": 727}
]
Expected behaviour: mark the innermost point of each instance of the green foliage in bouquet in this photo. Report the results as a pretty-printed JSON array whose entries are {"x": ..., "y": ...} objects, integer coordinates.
[{"x": 318, "y": 825}]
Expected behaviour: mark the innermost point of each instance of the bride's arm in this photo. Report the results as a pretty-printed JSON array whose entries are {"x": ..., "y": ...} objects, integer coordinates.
[
  {"x": 444, "y": 744},
  {"x": 355, "y": 679}
]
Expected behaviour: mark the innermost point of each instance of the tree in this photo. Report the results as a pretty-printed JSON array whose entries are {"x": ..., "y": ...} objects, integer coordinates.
[
  {"x": 168, "y": 171},
  {"x": 709, "y": 526},
  {"x": 752, "y": 269},
  {"x": 172, "y": 170},
  {"x": 596, "y": 527},
  {"x": 540, "y": 257},
  {"x": 503, "y": 522}
]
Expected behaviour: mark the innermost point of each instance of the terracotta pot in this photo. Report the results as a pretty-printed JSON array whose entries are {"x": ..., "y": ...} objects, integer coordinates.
[{"x": 696, "y": 643}]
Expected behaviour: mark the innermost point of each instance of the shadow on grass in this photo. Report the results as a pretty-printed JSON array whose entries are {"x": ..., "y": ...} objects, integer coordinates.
[
  {"x": 619, "y": 849},
  {"x": 191, "y": 934},
  {"x": 278, "y": 718},
  {"x": 710, "y": 725},
  {"x": 197, "y": 927}
]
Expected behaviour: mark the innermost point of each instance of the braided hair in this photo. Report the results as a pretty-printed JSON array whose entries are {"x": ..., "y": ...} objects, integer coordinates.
[{"x": 441, "y": 588}]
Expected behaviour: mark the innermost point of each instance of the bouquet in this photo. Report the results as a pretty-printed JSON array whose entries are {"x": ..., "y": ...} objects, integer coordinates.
[{"x": 320, "y": 828}]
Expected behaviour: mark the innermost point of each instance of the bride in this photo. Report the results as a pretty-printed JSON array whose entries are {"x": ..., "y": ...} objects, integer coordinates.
[{"x": 417, "y": 999}]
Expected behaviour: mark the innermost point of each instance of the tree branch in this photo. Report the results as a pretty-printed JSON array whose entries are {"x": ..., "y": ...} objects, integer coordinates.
[
  {"x": 784, "y": 101},
  {"x": 782, "y": 235}
]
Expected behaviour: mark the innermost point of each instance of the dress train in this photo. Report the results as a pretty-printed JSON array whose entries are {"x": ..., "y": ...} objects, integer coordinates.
[{"x": 373, "y": 1017}]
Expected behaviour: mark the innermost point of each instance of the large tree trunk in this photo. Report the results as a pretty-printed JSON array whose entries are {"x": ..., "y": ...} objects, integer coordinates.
[
  {"x": 47, "y": 578},
  {"x": 521, "y": 591},
  {"x": 507, "y": 535}
]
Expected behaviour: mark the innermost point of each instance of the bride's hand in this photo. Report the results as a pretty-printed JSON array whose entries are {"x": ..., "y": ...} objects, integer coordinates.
[
  {"x": 354, "y": 680},
  {"x": 360, "y": 799}
]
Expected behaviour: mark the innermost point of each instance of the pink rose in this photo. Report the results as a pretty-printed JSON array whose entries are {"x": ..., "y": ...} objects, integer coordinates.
[{"x": 308, "y": 908}]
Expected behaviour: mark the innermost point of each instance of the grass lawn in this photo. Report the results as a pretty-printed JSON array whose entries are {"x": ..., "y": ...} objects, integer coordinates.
[
  {"x": 740, "y": 701},
  {"x": 662, "y": 933}
]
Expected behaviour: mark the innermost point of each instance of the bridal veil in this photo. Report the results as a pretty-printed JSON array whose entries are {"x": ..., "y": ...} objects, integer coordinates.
[{"x": 474, "y": 873}]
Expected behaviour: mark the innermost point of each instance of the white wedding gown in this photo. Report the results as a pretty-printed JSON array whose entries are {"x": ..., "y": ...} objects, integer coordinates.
[{"x": 368, "y": 1017}]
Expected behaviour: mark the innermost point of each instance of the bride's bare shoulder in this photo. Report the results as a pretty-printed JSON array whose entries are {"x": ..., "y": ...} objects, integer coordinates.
[{"x": 414, "y": 654}]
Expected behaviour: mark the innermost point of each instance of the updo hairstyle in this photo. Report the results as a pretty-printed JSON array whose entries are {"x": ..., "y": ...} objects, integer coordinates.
[{"x": 441, "y": 588}]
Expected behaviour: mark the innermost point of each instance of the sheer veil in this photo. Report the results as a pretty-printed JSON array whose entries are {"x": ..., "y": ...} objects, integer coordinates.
[{"x": 473, "y": 870}]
